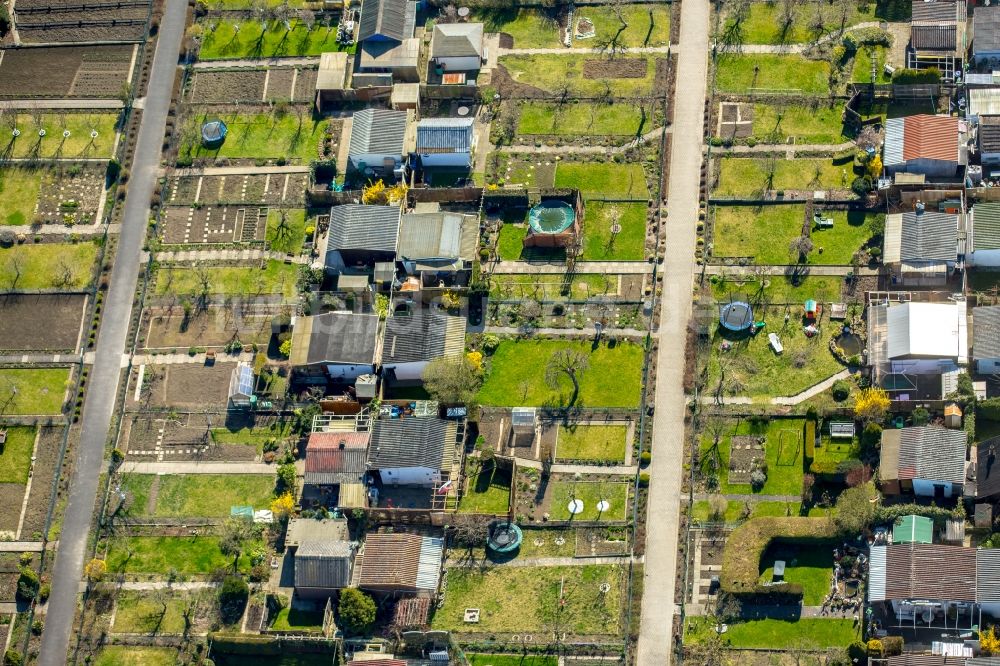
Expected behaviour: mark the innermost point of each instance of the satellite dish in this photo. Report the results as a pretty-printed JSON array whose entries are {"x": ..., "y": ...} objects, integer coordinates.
[{"x": 575, "y": 506}]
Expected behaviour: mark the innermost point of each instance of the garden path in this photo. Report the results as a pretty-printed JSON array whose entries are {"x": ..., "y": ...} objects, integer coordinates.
[
  {"x": 799, "y": 48},
  {"x": 40, "y": 358},
  {"x": 177, "y": 359},
  {"x": 225, "y": 255},
  {"x": 732, "y": 271},
  {"x": 542, "y": 562},
  {"x": 242, "y": 170},
  {"x": 762, "y": 498},
  {"x": 623, "y": 470},
  {"x": 789, "y": 150},
  {"x": 581, "y": 50},
  {"x": 196, "y": 468},
  {"x": 587, "y": 331},
  {"x": 810, "y": 392},
  {"x": 611, "y": 267},
  {"x": 61, "y": 104},
  {"x": 257, "y": 62},
  {"x": 653, "y": 134}
]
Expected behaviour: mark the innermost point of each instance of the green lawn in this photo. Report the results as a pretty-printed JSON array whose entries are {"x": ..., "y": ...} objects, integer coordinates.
[
  {"x": 605, "y": 179},
  {"x": 511, "y": 660},
  {"x": 582, "y": 119},
  {"x": 212, "y": 495},
  {"x": 137, "y": 486},
  {"x": 487, "y": 489},
  {"x": 779, "y": 289},
  {"x": 79, "y": 143},
  {"x": 287, "y": 236},
  {"x": 47, "y": 266},
  {"x": 551, "y": 72},
  {"x": 850, "y": 232},
  {"x": 748, "y": 176},
  {"x": 808, "y": 633},
  {"x": 516, "y": 375},
  {"x": 830, "y": 452},
  {"x": 615, "y": 493},
  {"x": 783, "y": 451},
  {"x": 32, "y": 391},
  {"x": 293, "y": 619},
  {"x": 592, "y": 442},
  {"x": 754, "y": 370},
  {"x": 702, "y": 510},
  {"x": 19, "y": 189},
  {"x": 789, "y": 72},
  {"x": 629, "y": 244},
  {"x": 251, "y": 39},
  {"x": 811, "y": 567},
  {"x": 511, "y": 241},
  {"x": 259, "y": 136},
  {"x": 142, "y": 613},
  {"x": 15, "y": 458},
  {"x": 131, "y": 655},
  {"x": 648, "y": 25},
  {"x": 862, "y": 70},
  {"x": 528, "y": 599},
  {"x": 275, "y": 278},
  {"x": 552, "y": 287},
  {"x": 188, "y": 555},
  {"x": 257, "y": 437},
  {"x": 762, "y": 233},
  {"x": 764, "y": 25},
  {"x": 816, "y": 123}
]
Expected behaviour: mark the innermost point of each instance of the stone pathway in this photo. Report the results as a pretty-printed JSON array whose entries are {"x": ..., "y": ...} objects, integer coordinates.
[
  {"x": 582, "y": 51},
  {"x": 197, "y": 468},
  {"x": 738, "y": 271},
  {"x": 41, "y": 358},
  {"x": 611, "y": 470},
  {"x": 22, "y": 546},
  {"x": 582, "y": 267},
  {"x": 241, "y": 170},
  {"x": 792, "y": 48},
  {"x": 591, "y": 150},
  {"x": 587, "y": 331},
  {"x": 225, "y": 255},
  {"x": 180, "y": 359},
  {"x": 257, "y": 62},
  {"x": 788, "y": 149},
  {"x": 519, "y": 562},
  {"x": 756, "y": 498},
  {"x": 810, "y": 392}
]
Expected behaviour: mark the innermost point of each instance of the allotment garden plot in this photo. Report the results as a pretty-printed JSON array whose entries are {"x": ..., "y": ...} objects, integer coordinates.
[
  {"x": 226, "y": 86},
  {"x": 41, "y": 322},
  {"x": 63, "y": 194},
  {"x": 66, "y": 72},
  {"x": 166, "y": 327},
  {"x": 264, "y": 188}
]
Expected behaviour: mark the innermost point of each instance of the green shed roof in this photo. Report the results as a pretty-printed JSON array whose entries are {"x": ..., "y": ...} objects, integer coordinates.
[
  {"x": 986, "y": 226},
  {"x": 913, "y": 529}
]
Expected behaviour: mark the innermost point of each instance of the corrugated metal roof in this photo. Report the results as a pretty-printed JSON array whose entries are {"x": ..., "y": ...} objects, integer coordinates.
[
  {"x": 933, "y": 37},
  {"x": 429, "y": 567},
  {"x": 927, "y": 571},
  {"x": 390, "y": 561},
  {"x": 988, "y": 575},
  {"x": 986, "y": 23},
  {"x": 444, "y": 135},
  {"x": 893, "y": 237},
  {"x": 913, "y": 529},
  {"x": 876, "y": 573},
  {"x": 393, "y": 19},
  {"x": 338, "y": 440},
  {"x": 929, "y": 236},
  {"x": 445, "y": 235},
  {"x": 378, "y": 131},
  {"x": 423, "y": 336},
  {"x": 932, "y": 453},
  {"x": 986, "y": 332},
  {"x": 335, "y": 337},
  {"x": 360, "y": 227},
  {"x": 457, "y": 40},
  {"x": 935, "y": 11},
  {"x": 930, "y": 137},
  {"x": 927, "y": 330},
  {"x": 323, "y": 564},
  {"x": 892, "y": 152},
  {"x": 984, "y": 102},
  {"x": 332, "y": 74},
  {"x": 988, "y": 134},
  {"x": 986, "y": 226},
  {"x": 412, "y": 442},
  {"x": 333, "y": 466}
]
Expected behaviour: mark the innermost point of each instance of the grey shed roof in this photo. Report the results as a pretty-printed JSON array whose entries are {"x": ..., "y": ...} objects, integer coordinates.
[
  {"x": 933, "y": 37},
  {"x": 986, "y": 332},
  {"x": 323, "y": 564},
  {"x": 988, "y": 468},
  {"x": 929, "y": 236},
  {"x": 457, "y": 40},
  {"x": 444, "y": 135},
  {"x": 378, "y": 131},
  {"x": 360, "y": 227},
  {"x": 411, "y": 442},
  {"x": 931, "y": 453},
  {"x": 939, "y": 11},
  {"x": 444, "y": 235},
  {"x": 392, "y": 19},
  {"x": 989, "y": 134},
  {"x": 986, "y": 24},
  {"x": 423, "y": 336},
  {"x": 986, "y": 226},
  {"x": 987, "y": 575},
  {"x": 335, "y": 337}
]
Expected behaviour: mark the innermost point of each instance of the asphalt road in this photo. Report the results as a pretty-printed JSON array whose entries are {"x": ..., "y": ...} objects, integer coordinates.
[
  {"x": 108, "y": 362},
  {"x": 662, "y": 514}
]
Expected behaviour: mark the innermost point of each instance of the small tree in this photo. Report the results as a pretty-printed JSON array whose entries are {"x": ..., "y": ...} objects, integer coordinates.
[
  {"x": 452, "y": 380},
  {"x": 356, "y": 611},
  {"x": 285, "y": 348},
  {"x": 283, "y": 506},
  {"x": 717, "y": 505},
  {"x": 841, "y": 390},
  {"x": 233, "y": 595},
  {"x": 236, "y": 534},
  {"x": 989, "y": 643},
  {"x": 567, "y": 362},
  {"x": 855, "y": 509},
  {"x": 27, "y": 584},
  {"x": 286, "y": 479},
  {"x": 872, "y": 404},
  {"x": 95, "y": 570},
  {"x": 801, "y": 247}
]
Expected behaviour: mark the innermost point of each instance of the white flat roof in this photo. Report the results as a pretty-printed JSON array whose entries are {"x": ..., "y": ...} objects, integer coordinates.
[{"x": 928, "y": 330}]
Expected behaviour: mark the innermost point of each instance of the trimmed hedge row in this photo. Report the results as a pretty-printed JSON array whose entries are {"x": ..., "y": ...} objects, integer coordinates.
[{"x": 746, "y": 545}]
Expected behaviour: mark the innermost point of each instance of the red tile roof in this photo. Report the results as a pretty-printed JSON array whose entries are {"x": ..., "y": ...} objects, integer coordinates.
[
  {"x": 930, "y": 137},
  {"x": 337, "y": 440}
]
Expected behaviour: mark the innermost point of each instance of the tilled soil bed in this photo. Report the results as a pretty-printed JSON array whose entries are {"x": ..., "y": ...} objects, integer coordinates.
[{"x": 623, "y": 68}]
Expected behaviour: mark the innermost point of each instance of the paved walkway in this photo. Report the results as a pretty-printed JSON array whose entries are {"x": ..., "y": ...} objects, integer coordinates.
[
  {"x": 198, "y": 468},
  {"x": 740, "y": 271},
  {"x": 225, "y": 255},
  {"x": 41, "y": 358},
  {"x": 257, "y": 62},
  {"x": 788, "y": 149},
  {"x": 100, "y": 400},
  {"x": 519, "y": 562},
  {"x": 611, "y": 470},
  {"x": 242, "y": 170},
  {"x": 582, "y": 51},
  {"x": 810, "y": 392},
  {"x": 582, "y": 267},
  {"x": 796, "y": 48},
  {"x": 587, "y": 331},
  {"x": 652, "y": 135},
  {"x": 21, "y": 546},
  {"x": 181, "y": 359},
  {"x": 755, "y": 498},
  {"x": 655, "y": 645},
  {"x": 164, "y": 585},
  {"x": 61, "y": 104}
]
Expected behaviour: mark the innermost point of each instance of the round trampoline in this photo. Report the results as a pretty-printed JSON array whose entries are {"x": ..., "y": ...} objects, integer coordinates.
[
  {"x": 213, "y": 133},
  {"x": 504, "y": 537},
  {"x": 736, "y": 316},
  {"x": 551, "y": 217}
]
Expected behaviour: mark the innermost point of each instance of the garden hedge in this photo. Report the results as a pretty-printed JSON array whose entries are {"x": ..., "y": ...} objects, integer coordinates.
[
  {"x": 810, "y": 438},
  {"x": 989, "y": 409},
  {"x": 746, "y": 545}
]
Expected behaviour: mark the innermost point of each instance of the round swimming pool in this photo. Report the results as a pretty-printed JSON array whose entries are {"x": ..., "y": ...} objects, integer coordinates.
[{"x": 551, "y": 217}]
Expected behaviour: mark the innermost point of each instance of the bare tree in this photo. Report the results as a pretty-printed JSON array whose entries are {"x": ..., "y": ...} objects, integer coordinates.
[
  {"x": 15, "y": 266},
  {"x": 566, "y": 362},
  {"x": 614, "y": 44},
  {"x": 801, "y": 247}
]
